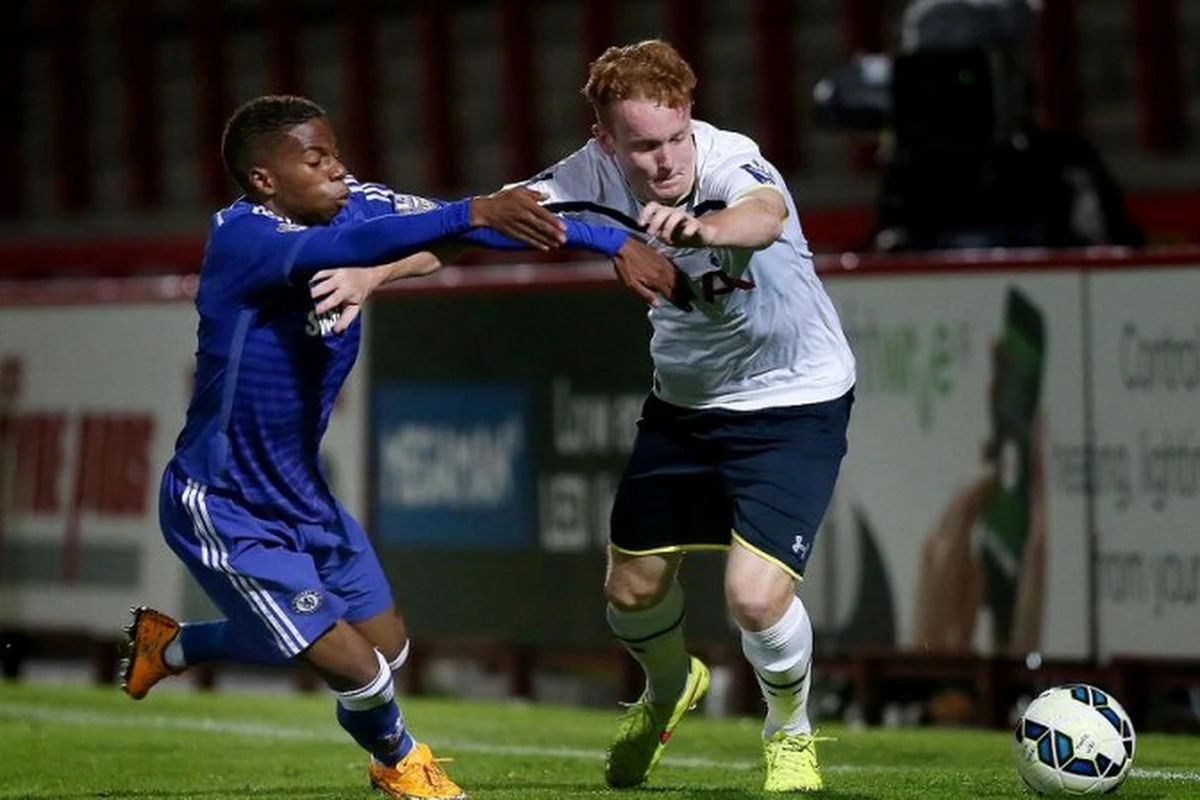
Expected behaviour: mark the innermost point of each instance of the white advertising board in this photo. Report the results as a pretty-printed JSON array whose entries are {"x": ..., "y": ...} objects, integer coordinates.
[
  {"x": 1146, "y": 378},
  {"x": 92, "y": 397},
  {"x": 915, "y": 554}
]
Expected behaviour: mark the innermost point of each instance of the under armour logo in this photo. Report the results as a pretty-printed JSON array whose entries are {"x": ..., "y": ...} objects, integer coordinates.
[{"x": 800, "y": 547}]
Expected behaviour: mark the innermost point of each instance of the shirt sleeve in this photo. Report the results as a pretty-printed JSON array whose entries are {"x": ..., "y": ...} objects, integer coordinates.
[
  {"x": 572, "y": 178},
  {"x": 259, "y": 251},
  {"x": 376, "y": 199},
  {"x": 603, "y": 239},
  {"x": 739, "y": 174}
]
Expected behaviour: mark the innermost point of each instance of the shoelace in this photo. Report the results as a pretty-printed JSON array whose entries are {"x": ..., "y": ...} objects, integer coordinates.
[
  {"x": 799, "y": 745},
  {"x": 435, "y": 776}
]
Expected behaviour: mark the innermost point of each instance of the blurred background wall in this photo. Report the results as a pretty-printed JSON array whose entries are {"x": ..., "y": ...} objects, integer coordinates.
[{"x": 113, "y": 108}]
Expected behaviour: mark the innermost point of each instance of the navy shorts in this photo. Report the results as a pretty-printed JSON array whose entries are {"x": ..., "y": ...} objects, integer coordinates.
[
  {"x": 697, "y": 478},
  {"x": 281, "y": 585}
]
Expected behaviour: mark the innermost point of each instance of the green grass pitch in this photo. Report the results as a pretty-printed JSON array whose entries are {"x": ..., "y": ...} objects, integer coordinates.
[{"x": 76, "y": 742}]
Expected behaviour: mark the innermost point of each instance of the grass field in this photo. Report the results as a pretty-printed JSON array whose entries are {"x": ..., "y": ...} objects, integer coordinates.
[{"x": 77, "y": 742}]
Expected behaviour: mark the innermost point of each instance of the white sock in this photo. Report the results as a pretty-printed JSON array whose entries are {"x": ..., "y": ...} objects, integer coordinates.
[
  {"x": 781, "y": 657},
  {"x": 396, "y": 663},
  {"x": 654, "y": 637},
  {"x": 173, "y": 654},
  {"x": 376, "y": 693}
]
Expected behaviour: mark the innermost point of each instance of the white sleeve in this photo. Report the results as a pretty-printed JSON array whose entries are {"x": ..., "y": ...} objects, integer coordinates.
[
  {"x": 574, "y": 178},
  {"x": 739, "y": 174}
]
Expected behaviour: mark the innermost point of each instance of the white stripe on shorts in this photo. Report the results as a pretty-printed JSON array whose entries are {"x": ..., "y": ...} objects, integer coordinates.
[
  {"x": 215, "y": 556},
  {"x": 257, "y": 590}
]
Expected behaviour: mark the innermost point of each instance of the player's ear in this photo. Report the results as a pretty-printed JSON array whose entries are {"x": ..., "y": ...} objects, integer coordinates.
[
  {"x": 261, "y": 181},
  {"x": 603, "y": 138}
]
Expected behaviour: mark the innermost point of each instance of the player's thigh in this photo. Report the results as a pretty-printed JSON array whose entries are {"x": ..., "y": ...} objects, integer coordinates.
[
  {"x": 254, "y": 570},
  {"x": 670, "y": 497},
  {"x": 780, "y": 473},
  {"x": 385, "y": 631},
  {"x": 343, "y": 657}
]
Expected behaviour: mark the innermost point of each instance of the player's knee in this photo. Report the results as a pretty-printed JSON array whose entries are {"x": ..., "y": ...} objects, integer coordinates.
[
  {"x": 343, "y": 658},
  {"x": 637, "y": 583},
  {"x": 632, "y": 592},
  {"x": 756, "y": 607}
]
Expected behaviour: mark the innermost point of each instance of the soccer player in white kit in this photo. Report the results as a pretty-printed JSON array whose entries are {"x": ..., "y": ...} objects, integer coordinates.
[
  {"x": 744, "y": 431},
  {"x": 742, "y": 436}
]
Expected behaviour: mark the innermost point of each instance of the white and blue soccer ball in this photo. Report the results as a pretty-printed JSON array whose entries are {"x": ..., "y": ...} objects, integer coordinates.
[{"x": 1074, "y": 739}]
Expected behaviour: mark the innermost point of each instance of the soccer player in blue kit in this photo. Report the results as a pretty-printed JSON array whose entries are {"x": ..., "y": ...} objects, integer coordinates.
[{"x": 244, "y": 502}]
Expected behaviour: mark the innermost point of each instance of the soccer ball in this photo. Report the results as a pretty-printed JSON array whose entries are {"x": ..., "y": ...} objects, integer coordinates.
[{"x": 1074, "y": 739}]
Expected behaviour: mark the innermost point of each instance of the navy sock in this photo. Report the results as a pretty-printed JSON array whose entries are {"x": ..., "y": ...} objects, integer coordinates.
[
  {"x": 379, "y": 730},
  {"x": 217, "y": 640},
  {"x": 204, "y": 641},
  {"x": 370, "y": 715}
]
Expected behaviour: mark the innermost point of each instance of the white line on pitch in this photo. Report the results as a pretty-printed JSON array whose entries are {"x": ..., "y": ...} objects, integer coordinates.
[{"x": 261, "y": 730}]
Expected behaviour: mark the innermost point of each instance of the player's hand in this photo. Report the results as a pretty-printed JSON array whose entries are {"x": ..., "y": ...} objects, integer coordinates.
[
  {"x": 518, "y": 213},
  {"x": 651, "y": 276},
  {"x": 675, "y": 226},
  {"x": 346, "y": 289}
]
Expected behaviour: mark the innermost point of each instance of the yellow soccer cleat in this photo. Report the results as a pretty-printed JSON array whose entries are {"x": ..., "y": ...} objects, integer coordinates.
[
  {"x": 791, "y": 761},
  {"x": 147, "y": 638},
  {"x": 644, "y": 730},
  {"x": 418, "y": 776}
]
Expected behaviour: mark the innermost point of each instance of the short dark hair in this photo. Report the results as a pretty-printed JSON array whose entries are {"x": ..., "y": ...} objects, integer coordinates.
[{"x": 256, "y": 119}]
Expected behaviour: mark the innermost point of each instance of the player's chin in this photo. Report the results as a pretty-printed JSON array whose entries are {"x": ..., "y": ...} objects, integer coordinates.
[
  {"x": 330, "y": 210},
  {"x": 667, "y": 191}
]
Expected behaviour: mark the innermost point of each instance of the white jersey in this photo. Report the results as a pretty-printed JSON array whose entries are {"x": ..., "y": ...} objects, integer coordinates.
[{"x": 762, "y": 332}]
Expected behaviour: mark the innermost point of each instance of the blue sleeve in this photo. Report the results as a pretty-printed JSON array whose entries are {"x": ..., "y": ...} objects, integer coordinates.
[
  {"x": 256, "y": 252},
  {"x": 580, "y": 236},
  {"x": 376, "y": 199},
  {"x": 375, "y": 241}
]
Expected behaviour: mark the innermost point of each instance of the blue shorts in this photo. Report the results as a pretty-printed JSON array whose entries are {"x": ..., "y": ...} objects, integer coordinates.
[
  {"x": 280, "y": 585},
  {"x": 697, "y": 478}
]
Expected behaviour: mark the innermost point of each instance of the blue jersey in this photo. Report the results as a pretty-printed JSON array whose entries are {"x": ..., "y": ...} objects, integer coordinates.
[{"x": 268, "y": 369}]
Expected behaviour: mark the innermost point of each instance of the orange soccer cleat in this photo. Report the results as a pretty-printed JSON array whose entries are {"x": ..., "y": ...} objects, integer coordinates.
[
  {"x": 418, "y": 776},
  {"x": 146, "y": 643}
]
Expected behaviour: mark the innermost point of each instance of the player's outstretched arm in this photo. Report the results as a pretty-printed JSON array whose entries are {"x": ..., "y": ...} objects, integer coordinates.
[
  {"x": 376, "y": 241},
  {"x": 642, "y": 269},
  {"x": 754, "y": 221},
  {"x": 517, "y": 213}
]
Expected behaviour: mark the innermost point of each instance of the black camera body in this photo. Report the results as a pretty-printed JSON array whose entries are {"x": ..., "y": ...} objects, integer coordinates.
[{"x": 965, "y": 163}]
